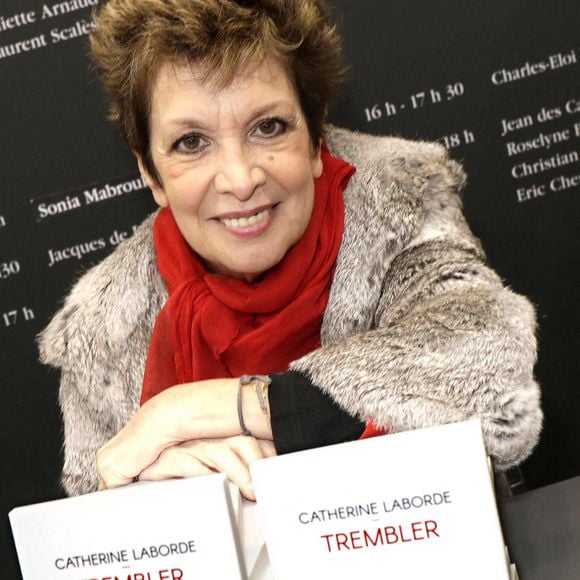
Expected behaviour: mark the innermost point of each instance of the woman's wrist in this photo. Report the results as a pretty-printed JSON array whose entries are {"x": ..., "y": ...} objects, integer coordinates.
[{"x": 208, "y": 409}]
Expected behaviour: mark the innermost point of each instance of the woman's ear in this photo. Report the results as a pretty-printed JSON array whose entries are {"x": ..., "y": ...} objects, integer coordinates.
[
  {"x": 158, "y": 192},
  {"x": 316, "y": 161}
]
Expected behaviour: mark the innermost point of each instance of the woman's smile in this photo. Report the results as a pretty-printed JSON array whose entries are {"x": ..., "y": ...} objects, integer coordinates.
[{"x": 246, "y": 224}]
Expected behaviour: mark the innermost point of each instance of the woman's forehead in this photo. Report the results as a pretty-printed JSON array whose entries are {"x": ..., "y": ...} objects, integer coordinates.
[{"x": 183, "y": 87}]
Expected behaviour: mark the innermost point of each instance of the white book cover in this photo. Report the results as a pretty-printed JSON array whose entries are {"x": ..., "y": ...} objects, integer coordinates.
[
  {"x": 170, "y": 530},
  {"x": 254, "y": 543},
  {"x": 418, "y": 504}
]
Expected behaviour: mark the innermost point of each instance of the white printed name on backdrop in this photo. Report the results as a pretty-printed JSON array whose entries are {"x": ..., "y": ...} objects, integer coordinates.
[
  {"x": 418, "y": 504},
  {"x": 170, "y": 530}
]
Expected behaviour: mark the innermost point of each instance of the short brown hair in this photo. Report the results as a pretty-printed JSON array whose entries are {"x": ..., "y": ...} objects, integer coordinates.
[{"x": 133, "y": 38}]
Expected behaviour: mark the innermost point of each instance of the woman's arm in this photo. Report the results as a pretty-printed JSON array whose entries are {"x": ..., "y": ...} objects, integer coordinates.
[
  {"x": 194, "y": 429},
  {"x": 202, "y": 410},
  {"x": 419, "y": 330},
  {"x": 450, "y": 343}
]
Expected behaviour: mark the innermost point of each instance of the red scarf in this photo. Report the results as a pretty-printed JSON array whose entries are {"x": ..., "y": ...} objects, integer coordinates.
[{"x": 213, "y": 326}]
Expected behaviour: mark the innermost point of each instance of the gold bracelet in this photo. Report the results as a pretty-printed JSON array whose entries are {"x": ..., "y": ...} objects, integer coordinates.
[{"x": 260, "y": 383}]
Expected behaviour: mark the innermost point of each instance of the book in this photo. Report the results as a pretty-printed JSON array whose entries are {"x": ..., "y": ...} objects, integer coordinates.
[
  {"x": 407, "y": 505},
  {"x": 253, "y": 543},
  {"x": 417, "y": 504},
  {"x": 169, "y": 530}
]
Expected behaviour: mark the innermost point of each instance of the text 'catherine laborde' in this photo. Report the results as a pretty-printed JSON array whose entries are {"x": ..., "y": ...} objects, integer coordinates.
[{"x": 372, "y": 508}]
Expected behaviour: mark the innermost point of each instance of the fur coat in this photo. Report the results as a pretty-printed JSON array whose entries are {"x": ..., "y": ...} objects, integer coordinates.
[{"x": 418, "y": 329}]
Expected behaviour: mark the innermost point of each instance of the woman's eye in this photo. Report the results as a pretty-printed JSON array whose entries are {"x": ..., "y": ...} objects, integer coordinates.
[
  {"x": 271, "y": 127},
  {"x": 190, "y": 143}
]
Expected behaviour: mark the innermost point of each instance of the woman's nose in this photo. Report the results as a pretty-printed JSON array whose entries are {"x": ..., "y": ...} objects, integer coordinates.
[{"x": 238, "y": 173}]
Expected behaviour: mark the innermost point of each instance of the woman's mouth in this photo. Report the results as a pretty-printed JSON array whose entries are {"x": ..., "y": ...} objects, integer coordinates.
[{"x": 241, "y": 223}]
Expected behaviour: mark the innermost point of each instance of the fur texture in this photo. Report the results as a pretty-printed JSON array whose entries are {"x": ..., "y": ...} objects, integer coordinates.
[{"x": 418, "y": 330}]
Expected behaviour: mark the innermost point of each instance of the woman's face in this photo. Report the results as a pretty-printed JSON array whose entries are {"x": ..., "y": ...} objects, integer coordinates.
[{"x": 236, "y": 165}]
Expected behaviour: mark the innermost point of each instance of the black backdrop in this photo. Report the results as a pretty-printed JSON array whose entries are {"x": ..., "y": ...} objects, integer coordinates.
[{"x": 498, "y": 83}]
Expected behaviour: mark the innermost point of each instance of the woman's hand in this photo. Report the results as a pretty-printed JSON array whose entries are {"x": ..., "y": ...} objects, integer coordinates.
[
  {"x": 202, "y": 410},
  {"x": 231, "y": 456}
]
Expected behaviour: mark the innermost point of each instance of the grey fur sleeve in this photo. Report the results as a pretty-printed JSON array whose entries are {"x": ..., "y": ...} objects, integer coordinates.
[
  {"x": 458, "y": 354},
  {"x": 99, "y": 341},
  {"x": 444, "y": 341},
  {"x": 86, "y": 429}
]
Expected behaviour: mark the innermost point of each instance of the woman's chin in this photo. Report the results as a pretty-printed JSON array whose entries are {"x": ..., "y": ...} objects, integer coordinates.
[{"x": 247, "y": 270}]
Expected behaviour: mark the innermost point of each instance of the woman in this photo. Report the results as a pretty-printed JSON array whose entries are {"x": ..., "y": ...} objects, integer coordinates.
[{"x": 279, "y": 300}]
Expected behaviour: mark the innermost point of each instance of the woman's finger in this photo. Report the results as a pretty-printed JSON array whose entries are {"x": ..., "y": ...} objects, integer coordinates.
[
  {"x": 112, "y": 469},
  {"x": 268, "y": 448},
  {"x": 247, "y": 448},
  {"x": 231, "y": 456},
  {"x": 206, "y": 456},
  {"x": 173, "y": 463},
  {"x": 222, "y": 456}
]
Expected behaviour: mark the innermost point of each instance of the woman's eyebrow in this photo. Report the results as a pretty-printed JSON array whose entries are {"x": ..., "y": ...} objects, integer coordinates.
[
  {"x": 185, "y": 122},
  {"x": 194, "y": 123},
  {"x": 268, "y": 108}
]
